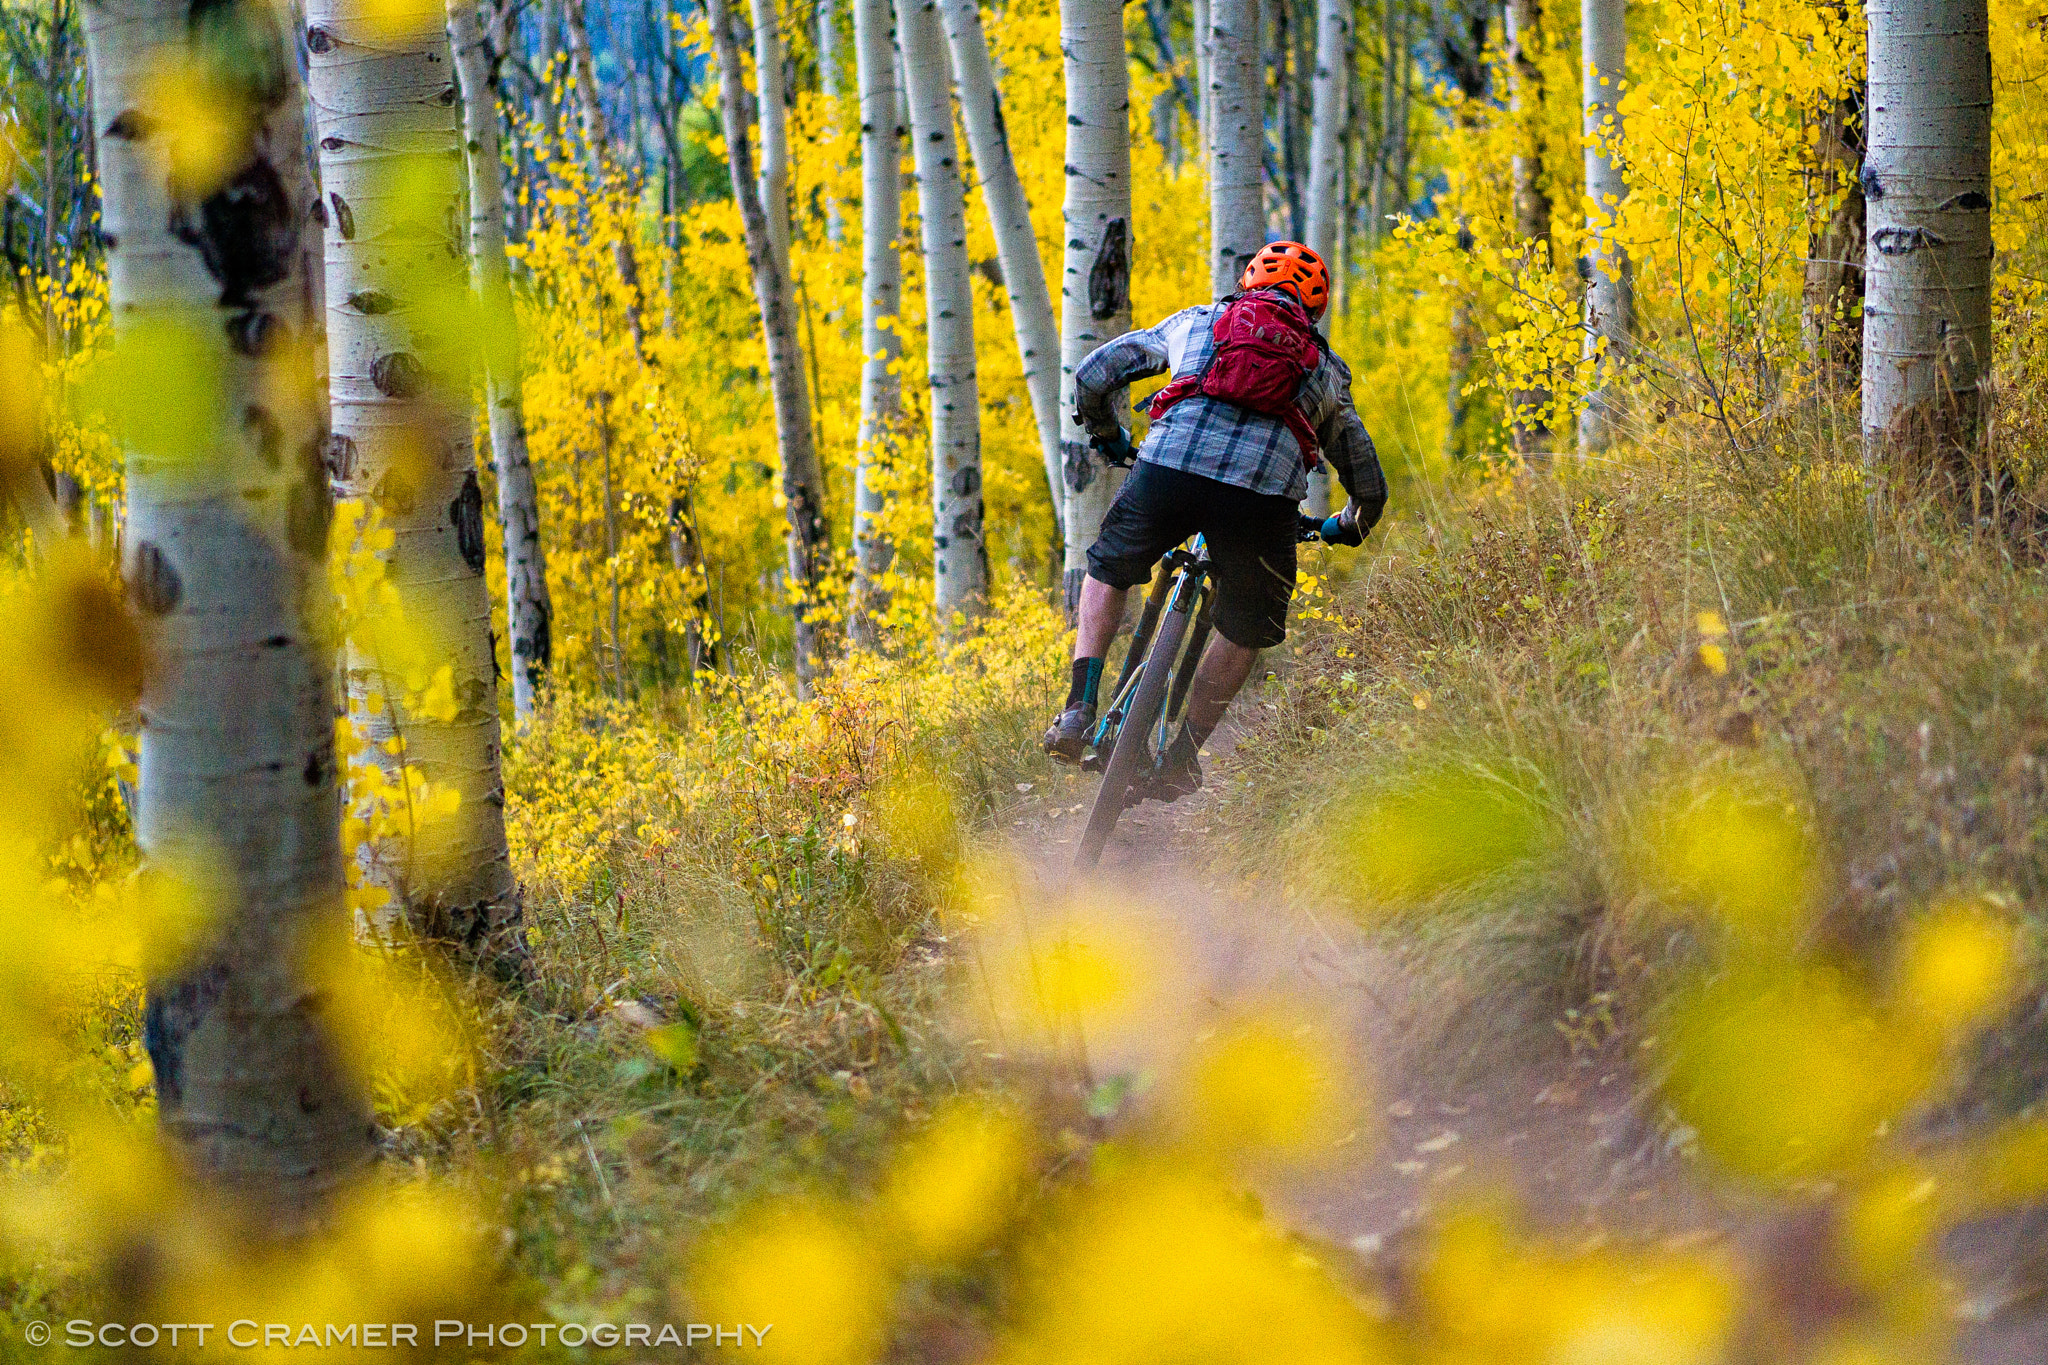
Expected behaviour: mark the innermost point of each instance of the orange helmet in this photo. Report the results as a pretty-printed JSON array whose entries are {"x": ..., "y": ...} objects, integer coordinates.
[{"x": 1293, "y": 267}]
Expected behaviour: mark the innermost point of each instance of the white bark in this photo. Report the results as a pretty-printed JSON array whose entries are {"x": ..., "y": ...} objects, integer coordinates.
[
  {"x": 37, "y": 509},
  {"x": 1237, "y": 139},
  {"x": 1927, "y": 187},
  {"x": 1330, "y": 109},
  {"x": 802, "y": 486},
  {"x": 1610, "y": 306},
  {"x": 226, "y": 564},
  {"x": 391, "y": 165},
  {"x": 829, "y": 86},
  {"x": 881, "y": 212},
  {"x": 1095, "y": 281},
  {"x": 774, "y": 125},
  {"x": 1002, "y": 194},
  {"x": 529, "y": 611},
  {"x": 959, "y": 558},
  {"x": 1331, "y": 96},
  {"x": 1199, "y": 36}
]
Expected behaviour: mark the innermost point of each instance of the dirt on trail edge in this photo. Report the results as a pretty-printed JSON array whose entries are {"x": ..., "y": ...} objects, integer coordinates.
[{"x": 1561, "y": 1135}]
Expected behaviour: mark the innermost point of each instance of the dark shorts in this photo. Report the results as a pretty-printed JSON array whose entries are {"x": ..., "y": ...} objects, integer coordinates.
[{"x": 1250, "y": 538}]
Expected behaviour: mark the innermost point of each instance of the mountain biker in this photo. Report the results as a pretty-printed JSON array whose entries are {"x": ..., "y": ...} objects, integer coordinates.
[{"x": 1234, "y": 473}]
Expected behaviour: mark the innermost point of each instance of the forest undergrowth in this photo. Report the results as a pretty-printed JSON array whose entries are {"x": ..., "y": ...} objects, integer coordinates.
[{"x": 1556, "y": 719}]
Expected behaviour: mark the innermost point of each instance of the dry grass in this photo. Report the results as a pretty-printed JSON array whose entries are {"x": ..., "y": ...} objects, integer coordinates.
[{"x": 1470, "y": 751}]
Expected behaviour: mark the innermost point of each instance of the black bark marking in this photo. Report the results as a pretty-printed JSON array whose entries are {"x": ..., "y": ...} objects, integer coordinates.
[
  {"x": 995, "y": 101},
  {"x": 1904, "y": 241},
  {"x": 319, "y": 39},
  {"x": 370, "y": 302},
  {"x": 1109, "y": 279},
  {"x": 131, "y": 125},
  {"x": 333, "y": 144},
  {"x": 1968, "y": 199},
  {"x": 1076, "y": 465},
  {"x": 319, "y": 211},
  {"x": 173, "y": 1013},
  {"x": 967, "y": 526},
  {"x": 265, "y": 435},
  {"x": 398, "y": 375},
  {"x": 246, "y": 232},
  {"x": 340, "y": 457},
  {"x": 466, "y": 512},
  {"x": 344, "y": 216},
  {"x": 446, "y": 99},
  {"x": 966, "y": 481},
  {"x": 155, "y": 587},
  {"x": 1873, "y": 188}
]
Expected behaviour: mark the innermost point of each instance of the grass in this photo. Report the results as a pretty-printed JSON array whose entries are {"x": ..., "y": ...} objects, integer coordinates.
[
  {"x": 739, "y": 994},
  {"x": 1527, "y": 688}
]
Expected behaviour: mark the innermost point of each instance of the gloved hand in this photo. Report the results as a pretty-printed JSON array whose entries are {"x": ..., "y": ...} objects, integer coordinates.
[
  {"x": 1342, "y": 529},
  {"x": 1116, "y": 449}
]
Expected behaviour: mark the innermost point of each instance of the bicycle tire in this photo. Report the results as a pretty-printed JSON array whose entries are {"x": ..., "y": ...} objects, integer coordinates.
[
  {"x": 1128, "y": 754},
  {"x": 1191, "y": 657}
]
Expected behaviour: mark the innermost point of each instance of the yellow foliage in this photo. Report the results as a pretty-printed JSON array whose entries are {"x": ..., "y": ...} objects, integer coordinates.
[
  {"x": 957, "y": 1183},
  {"x": 805, "y": 1266}
]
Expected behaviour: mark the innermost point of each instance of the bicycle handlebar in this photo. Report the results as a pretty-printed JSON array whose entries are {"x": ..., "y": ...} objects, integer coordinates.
[{"x": 1324, "y": 530}]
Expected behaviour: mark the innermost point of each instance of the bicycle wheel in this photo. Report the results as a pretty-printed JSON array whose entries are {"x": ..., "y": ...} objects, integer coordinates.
[
  {"x": 1191, "y": 659},
  {"x": 1129, "y": 756}
]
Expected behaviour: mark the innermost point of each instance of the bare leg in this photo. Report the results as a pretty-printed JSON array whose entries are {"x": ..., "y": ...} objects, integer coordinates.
[
  {"x": 1218, "y": 678},
  {"x": 1101, "y": 612}
]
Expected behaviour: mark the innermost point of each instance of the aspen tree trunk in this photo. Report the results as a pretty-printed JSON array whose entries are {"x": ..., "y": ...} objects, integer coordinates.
[
  {"x": 1927, "y": 183},
  {"x": 529, "y": 613},
  {"x": 1530, "y": 433},
  {"x": 382, "y": 82},
  {"x": 774, "y": 125},
  {"x": 829, "y": 86},
  {"x": 1095, "y": 284},
  {"x": 1237, "y": 141},
  {"x": 1200, "y": 39},
  {"x": 1610, "y": 303},
  {"x": 597, "y": 141},
  {"x": 37, "y": 509},
  {"x": 959, "y": 557},
  {"x": 1002, "y": 194},
  {"x": 1392, "y": 54},
  {"x": 226, "y": 564},
  {"x": 1332, "y": 92},
  {"x": 802, "y": 485},
  {"x": 1524, "y": 19},
  {"x": 881, "y": 215},
  {"x": 1834, "y": 283}
]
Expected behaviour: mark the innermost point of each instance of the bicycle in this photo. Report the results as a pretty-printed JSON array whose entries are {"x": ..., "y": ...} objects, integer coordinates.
[{"x": 1167, "y": 647}]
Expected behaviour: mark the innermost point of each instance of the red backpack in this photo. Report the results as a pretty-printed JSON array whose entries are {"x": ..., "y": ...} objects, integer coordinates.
[{"x": 1265, "y": 347}]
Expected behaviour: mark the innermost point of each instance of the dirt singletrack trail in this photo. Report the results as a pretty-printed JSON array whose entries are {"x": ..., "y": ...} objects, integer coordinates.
[{"x": 1562, "y": 1134}]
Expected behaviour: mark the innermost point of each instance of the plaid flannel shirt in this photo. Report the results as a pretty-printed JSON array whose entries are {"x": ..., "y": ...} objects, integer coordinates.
[{"x": 1220, "y": 440}]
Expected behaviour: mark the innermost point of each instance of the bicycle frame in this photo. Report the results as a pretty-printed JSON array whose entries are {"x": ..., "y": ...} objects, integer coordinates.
[{"x": 1186, "y": 572}]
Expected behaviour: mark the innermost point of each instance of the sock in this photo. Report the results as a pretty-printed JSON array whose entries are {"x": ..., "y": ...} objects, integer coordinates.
[{"x": 1087, "y": 682}]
